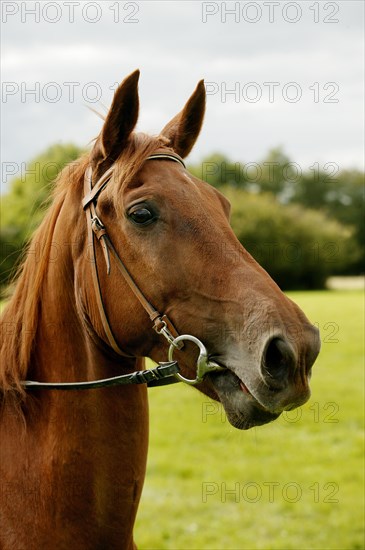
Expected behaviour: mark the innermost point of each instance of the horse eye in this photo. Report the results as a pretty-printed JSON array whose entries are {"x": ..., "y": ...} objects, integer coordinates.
[{"x": 142, "y": 215}]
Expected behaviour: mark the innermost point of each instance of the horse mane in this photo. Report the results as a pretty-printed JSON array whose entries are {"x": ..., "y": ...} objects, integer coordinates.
[{"x": 20, "y": 319}]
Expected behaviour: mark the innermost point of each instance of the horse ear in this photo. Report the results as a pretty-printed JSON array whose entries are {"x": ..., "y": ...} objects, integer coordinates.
[
  {"x": 121, "y": 119},
  {"x": 184, "y": 128}
]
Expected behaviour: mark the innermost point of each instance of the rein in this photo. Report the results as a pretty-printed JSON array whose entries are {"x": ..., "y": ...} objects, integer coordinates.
[{"x": 166, "y": 372}]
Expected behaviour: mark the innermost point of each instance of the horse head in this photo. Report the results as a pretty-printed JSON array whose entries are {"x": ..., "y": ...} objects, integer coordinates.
[{"x": 172, "y": 232}]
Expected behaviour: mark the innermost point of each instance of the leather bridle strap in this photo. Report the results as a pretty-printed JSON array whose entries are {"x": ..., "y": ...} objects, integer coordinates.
[
  {"x": 161, "y": 323},
  {"x": 161, "y": 375},
  {"x": 92, "y": 192},
  {"x": 92, "y": 220}
]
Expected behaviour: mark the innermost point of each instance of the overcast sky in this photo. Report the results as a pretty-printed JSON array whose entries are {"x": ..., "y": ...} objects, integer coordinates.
[{"x": 284, "y": 74}]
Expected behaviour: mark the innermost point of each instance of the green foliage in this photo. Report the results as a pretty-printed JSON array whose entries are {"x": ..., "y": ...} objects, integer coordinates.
[
  {"x": 339, "y": 195},
  {"x": 300, "y": 248},
  {"x": 23, "y": 207},
  {"x": 218, "y": 170},
  {"x": 274, "y": 174}
]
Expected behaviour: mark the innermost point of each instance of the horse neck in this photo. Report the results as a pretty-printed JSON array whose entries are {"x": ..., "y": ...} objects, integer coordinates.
[
  {"x": 104, "y": 428},
  {"x": 81, "y": 451}
]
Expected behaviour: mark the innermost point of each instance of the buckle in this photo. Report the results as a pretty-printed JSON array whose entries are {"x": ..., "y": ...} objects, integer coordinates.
[{"x": 96, "y": 224}]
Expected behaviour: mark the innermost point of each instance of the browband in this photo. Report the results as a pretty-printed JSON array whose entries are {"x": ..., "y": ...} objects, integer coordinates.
[{"x": 101, "y": 183}]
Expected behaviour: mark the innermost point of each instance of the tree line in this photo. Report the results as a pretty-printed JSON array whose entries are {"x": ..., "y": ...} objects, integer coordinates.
[
  {"x": 321, "y": 209},
  {"x": 301, "y": 225}
]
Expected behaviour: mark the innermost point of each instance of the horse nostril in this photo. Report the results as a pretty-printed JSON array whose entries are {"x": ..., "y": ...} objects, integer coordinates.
[{"x": 278, "y": 361}]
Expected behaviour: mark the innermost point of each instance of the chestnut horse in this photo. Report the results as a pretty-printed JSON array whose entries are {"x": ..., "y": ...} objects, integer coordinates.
[{"x": 73, "y": 462}]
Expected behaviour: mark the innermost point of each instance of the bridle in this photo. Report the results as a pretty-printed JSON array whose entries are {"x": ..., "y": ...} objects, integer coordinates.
[
  {"x": 166, "y": 372},
  {"x": 95, "y": 227}
]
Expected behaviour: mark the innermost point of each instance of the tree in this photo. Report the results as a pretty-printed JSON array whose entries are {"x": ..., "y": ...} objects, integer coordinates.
[
  {"x": 339, "y": 195},
  {"x": 298, "y": 247},
  {"x": 219, "y": 170}
]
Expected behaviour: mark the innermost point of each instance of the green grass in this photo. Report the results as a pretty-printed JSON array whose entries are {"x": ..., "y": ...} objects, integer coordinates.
[{"x": 294, "y": 484}]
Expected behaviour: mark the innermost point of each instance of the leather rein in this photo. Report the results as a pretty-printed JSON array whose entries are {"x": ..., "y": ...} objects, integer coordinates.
[{"x": 166, "y": 372}]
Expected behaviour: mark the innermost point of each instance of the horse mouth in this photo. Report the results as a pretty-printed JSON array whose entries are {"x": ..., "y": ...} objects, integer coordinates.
[
  {"x": 245, "y": 389},
  {"x": 242, "y": 408}
]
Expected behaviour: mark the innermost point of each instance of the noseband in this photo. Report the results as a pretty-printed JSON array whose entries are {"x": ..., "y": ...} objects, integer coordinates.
[{"x": 165, "y": 373}]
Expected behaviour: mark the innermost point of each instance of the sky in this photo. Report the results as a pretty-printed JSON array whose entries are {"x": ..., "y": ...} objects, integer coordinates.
[{"x": 286, "y": 74}]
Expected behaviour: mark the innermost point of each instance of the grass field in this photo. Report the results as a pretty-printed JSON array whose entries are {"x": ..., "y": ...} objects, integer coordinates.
[{"x": 294, "y": 484}]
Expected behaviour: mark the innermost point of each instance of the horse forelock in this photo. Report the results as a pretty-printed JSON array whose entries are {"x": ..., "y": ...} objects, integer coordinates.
[{"x": 139, "y": 147}]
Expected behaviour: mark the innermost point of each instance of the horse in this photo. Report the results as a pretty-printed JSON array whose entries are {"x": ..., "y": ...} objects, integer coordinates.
[{"x": 130, "y": 230}]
